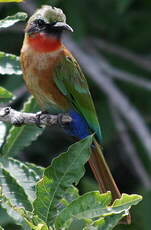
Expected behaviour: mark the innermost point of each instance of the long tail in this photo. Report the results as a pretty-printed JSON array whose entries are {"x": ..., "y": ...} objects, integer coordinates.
[{"x": 103, "y": 175}]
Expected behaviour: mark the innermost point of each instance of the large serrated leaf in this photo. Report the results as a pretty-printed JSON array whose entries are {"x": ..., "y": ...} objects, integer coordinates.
[
  {"x": 5, "y": 94},
  {"x": 4, "y": 218},
  {"x": 65, "y": 170},
  {"x": 90, "y": 205},
  {"x": 125, "y": 202},
  {"x": 20, "y": 137},
  {"x": 107, "y": 223},
  {"x": 39, "y": 170},
  {"x": 18, "y": 219},
  {"x": 25, "y": 176},
  {"x": 33, "y": 221},
  {"x": 95, "y": 205},
  {"x": 23, "y": 217},
  {"x": 11, "y": 20},
  {"x": 71, "y": 194},
  {"x": 13, "y": 191},
  {"x": 12, "y": 212},
  {"x": 9, "y": 64}
]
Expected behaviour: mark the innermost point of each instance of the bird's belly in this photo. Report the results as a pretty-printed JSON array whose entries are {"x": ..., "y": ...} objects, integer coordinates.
[
  {"x": 39, "y": 78},
  {"x": 44, "y": 100},
  {"x": 47, "y": 96}
]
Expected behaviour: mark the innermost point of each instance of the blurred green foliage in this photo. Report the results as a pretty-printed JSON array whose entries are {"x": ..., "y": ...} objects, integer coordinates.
[{"x": 124, "y": 23}]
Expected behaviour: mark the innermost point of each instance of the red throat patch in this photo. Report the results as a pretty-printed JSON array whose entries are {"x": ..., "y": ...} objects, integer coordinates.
[{"x": 44, "y": 43}]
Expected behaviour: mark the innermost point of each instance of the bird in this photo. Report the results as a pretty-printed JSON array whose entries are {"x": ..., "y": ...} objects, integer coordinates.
[{"x": 55, "y": 79}]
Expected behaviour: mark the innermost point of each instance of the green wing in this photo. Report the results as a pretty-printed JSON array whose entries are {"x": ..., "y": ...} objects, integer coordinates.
[{"x": 72, "y": 83}]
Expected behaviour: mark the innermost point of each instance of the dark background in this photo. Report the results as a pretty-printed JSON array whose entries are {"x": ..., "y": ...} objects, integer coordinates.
[{"x": 117, "y": 34}]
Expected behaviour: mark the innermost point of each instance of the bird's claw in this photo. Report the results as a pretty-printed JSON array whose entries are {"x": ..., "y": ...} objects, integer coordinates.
[
  {"x": 59, "y": 120},
  {"x": 18, "y": 122},
  {"x": 38, "y": 118}
]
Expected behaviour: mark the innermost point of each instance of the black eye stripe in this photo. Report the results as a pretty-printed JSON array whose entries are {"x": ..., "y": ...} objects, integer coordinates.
[{"x": 40, "y": 22}]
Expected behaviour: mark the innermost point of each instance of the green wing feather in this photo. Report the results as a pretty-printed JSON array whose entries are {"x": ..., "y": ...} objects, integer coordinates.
[{"x": 72, "y": 83}]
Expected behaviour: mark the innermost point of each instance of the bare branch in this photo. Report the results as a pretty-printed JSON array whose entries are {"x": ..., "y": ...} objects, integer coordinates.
[
  {"x": 138, "y": 60},
  {"x": 122, "y": 75},
  {"x": 17, "y": 118},
  {"x": 20, "y": 92},
  {"x": 116, "y": 73},
  {"x": 128, "y": 77},
  {"x": 130, "y": 150}
]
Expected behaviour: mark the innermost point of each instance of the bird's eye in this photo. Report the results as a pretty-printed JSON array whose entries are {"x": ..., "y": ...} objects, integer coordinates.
[{"x": 40, "y": 22}]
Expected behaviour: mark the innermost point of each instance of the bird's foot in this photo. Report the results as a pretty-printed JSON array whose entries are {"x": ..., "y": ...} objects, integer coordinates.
[
  {"x": 18, "y": 122},
  {"x": 60, "y": 120},
  {"x": 38, "y": 118}
]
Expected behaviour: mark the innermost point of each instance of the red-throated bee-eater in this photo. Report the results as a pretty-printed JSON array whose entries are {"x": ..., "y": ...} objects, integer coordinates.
[{"x": 55, "y": 79}]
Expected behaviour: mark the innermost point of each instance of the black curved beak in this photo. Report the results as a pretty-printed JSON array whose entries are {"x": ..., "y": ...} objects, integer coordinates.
[{"x": 62, "y": 26}]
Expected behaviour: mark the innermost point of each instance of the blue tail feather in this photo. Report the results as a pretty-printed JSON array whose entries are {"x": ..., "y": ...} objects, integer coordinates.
[{"x": 78, "y": 127}]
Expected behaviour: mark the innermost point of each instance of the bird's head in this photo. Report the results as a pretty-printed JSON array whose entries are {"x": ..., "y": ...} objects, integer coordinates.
[{"x": 49, "y": 20}]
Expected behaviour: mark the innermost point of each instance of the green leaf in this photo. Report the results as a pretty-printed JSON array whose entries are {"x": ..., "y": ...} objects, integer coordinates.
[
  {"x": 18, "y": 219},
  {"x": 13, "y": 191},
  {"x": 20, "y": 137},
  {"x": 9, "y": 64},
  {"x": 12, "y": 212},
  {"x": 65, "y": 170},
  {"x": 93, "y": 205},
  {"x": 5, "y": 94},
  {"x": 4, "y": 217},
  {"x": 2, "y": 132},
  {"x": 25, "y": 176},
  {"x": 71, "y": 194},
  {"x": 26, "y": 218},
  {"x": 125, "y": 202},
  {"x": 1, "y": 228},
  {"x": 89, "y": 205},
  {"x": 36, "y": 168},
  {"x": 33, "y": 221},
  {"x": 11, "y": 20},
  {"x": 107, "y": 223}
]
